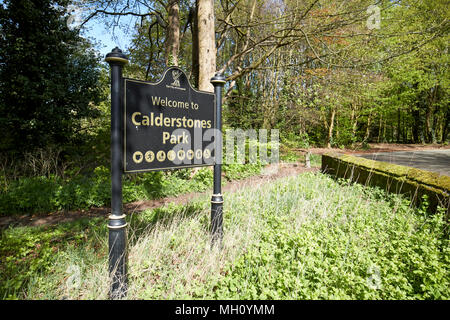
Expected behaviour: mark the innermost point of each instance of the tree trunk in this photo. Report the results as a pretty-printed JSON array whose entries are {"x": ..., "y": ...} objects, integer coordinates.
[
  {"x": 367, "y": 135},
  {"x": 195, "y": 64},
  {"x": 354, "y": 127},
  {"x": 428, "y": 125},
  {"x": 405, "y": 131},
  {"x": 380, "y": 126},
  {"x": 416, "y": 125},
  {"x": 445, "y": 126},
  {"x": 337, "y": 135},
  {"x": 353, "y": 122},
  {"x": 206, "y": 44},
  {"x": 330, "y": 128},
  {"x": 173, "y": 33}
]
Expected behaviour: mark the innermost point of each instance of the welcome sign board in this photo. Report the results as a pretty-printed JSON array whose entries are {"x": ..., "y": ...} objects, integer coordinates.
[{"x": 165, "y": 124}]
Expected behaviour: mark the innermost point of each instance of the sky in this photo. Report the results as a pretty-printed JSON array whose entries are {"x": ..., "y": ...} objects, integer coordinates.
[
  {"x": 100, "y": 33},
  {"x": 97, "y": 30}
]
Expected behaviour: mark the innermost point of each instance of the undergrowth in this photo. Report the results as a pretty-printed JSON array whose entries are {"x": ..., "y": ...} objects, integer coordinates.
[
  {"x": 305, "y": 237},
  {"x": 44, "y": 194}
]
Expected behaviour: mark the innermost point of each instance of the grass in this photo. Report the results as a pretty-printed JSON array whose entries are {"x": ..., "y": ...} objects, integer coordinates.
[
  {"x": 305, "y": 237},
  {"x": 41, "y": 194},
  {"x": 43, "y": 187}
]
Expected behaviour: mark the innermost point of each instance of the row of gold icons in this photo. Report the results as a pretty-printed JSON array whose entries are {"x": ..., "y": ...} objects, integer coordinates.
[{"x": 161, "y": 155}]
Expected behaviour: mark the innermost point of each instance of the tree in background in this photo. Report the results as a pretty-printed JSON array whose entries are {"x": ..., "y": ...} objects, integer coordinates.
[
  {"x": 206, "y": 44},
  {"x": 173, "y": 17},
  {"x": 307, "y": 60},
  {"x": 418, "y": 83},
  {"x": 49, "y": 77},
  {"x": 331, "y": 70},
  {"x": 153, "y": 47}
]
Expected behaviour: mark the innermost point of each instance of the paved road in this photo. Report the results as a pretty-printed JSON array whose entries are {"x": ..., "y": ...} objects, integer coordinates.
[{"x": 431, "y": 160}]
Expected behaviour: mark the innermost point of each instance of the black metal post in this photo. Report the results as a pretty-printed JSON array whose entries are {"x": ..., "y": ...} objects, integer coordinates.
[
  {"x": 218, "y": 82},
  {"x": 116, "y": 223}
]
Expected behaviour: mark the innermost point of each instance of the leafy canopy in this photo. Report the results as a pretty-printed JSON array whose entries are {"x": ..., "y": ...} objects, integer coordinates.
[{"x": 49, "y": 76}]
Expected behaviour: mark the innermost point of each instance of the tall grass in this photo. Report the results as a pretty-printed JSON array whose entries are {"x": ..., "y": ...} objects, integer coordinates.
[{"x": 305, "y": 237}]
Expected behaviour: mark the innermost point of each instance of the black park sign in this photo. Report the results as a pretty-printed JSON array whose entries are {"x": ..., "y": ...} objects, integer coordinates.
[
  {"x": 156, "y": 126},
  {"x": 168, "y": 124}
]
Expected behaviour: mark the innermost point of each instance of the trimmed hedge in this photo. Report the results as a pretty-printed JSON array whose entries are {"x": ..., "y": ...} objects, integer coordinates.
[{"x": 412, "y": 182}]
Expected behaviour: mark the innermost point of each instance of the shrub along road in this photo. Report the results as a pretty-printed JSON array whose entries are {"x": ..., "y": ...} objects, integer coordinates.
[{"x": 270, "y": 173}]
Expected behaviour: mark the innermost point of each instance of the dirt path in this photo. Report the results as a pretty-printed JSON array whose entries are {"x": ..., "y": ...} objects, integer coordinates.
[{"x": 270, "y": 173}]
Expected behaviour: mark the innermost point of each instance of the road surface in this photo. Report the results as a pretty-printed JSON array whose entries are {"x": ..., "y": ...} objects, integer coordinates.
[{"x": 432, "y": 160}]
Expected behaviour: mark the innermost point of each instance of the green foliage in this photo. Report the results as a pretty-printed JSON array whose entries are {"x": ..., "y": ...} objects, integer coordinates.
[
  {"x": 234, "y": 170},
  {"x": 305, "y": 237},
  {"x": 237, "y": 171},
  {"x": 239, "y": 110},
  {"x": 30, "y": 253},
  {"x": 46, "y": 194},
  {"x": 292, "y": 140},
  {"x": 372, "y": 252},
  {"x": 288, "y": 155},
  {"x": 49, "y": 77}
]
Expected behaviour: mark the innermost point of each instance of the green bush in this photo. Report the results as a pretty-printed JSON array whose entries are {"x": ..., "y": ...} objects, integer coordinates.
[
  {"x": 368, "y": 245},
  {"x": 304, "y": 237},
  {"x": 43, "y": 194},
  {"x": 237, "y": 171},
  {"x": 31, "y": 252},
  {"x": 47, "y": 194}
]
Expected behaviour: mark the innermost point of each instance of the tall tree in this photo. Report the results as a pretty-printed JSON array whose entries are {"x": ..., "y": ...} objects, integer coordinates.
[
  {"x": 418, "y": 82},
  {"x": 163, "y": 14},
  {"x": 173, "y": 32},
  {"x": 206, "y": 44},
  {"x": 49, "y": 79}
]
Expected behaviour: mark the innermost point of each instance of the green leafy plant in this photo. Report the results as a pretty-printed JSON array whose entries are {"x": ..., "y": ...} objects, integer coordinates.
[{"x": 304, "y": 237}]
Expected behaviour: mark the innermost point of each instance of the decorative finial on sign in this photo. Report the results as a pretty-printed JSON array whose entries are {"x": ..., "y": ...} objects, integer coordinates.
[
  {"x": 218, "y": 79},
  {"x": 116, "y": 56}
]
